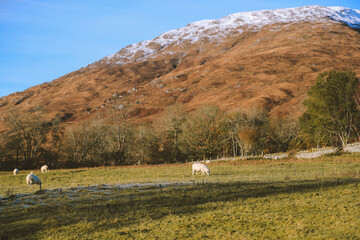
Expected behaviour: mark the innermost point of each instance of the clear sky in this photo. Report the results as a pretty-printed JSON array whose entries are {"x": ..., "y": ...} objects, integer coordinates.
[{"x": 41, "y": 40}]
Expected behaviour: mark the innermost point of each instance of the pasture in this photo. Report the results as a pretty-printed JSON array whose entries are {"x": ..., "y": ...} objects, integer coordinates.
[{"x": 257, "y": 199}]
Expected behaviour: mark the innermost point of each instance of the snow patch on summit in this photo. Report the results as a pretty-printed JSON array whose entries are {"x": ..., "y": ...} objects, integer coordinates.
[
  {"x": 346, "y": 15},
  {"x": 216, "y": 30}
]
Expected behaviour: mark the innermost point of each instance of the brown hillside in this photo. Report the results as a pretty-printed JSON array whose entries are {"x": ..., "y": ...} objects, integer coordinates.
[{"x": 272, "y": 69}]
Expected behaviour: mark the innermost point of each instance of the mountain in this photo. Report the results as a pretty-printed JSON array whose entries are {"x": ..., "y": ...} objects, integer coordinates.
[
  {"x": 235, "y": 24},
  {"x": 264, "y": 58}
]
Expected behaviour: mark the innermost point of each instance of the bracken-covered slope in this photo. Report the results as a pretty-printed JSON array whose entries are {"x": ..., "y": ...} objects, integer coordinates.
[{"x": 264, "y": 58}]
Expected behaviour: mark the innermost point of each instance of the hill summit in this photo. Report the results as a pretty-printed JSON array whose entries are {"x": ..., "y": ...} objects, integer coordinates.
[{"x": 219, "y": 29}]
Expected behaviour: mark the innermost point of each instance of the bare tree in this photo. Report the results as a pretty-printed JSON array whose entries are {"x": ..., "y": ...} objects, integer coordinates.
[
  {"x": 204, "y": 133},
  {"x": 82, "y": 143},
  {"x": 168, "y": 128},
  {"x": 282, "y": 132},
  {"x": 145, "y": 146},
  {"x": 119, "y": 137},
  {"x": 247, "y": 130},
  {"x": 28, "y": 133}
]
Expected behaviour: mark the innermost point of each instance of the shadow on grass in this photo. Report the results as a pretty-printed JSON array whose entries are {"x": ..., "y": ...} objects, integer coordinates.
[
  {"x": 132, "y": 205},
  {"x": 72, "y": 172},
  {"x": 40, "y": 192},
  {"x": 220, "y": 174}
]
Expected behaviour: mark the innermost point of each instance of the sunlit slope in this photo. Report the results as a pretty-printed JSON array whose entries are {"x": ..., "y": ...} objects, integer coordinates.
[{"x": 265, "y": 58}]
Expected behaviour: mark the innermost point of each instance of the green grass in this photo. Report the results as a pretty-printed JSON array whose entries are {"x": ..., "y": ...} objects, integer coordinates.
[{"x": 292, "y": 199}]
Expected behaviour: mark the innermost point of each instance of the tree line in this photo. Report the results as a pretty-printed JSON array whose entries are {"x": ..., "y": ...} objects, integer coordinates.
[{"x": 331, "y": 118}]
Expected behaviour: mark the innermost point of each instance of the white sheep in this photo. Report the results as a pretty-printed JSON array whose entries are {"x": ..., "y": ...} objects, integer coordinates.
[
  {"x": 16, "y": 171},
  {"x": 200, "y": 167},
  {"x": 207, "y": 161},
  {"x": 33, "y": 179},
  {"x": 45, "y": 168}
]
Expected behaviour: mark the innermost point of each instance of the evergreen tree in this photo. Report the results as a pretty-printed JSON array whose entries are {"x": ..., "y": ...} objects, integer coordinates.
[{"x": 331, "y": 115}]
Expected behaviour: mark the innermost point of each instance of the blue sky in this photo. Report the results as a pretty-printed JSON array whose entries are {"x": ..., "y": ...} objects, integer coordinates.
[{"x": 41, "y": 40}]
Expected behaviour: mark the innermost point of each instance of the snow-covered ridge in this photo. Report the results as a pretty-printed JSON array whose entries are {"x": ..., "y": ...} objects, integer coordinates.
[{"x": 235, "y": 23}]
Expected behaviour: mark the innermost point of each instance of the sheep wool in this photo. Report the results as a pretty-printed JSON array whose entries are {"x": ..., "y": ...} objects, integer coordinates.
[
  {"x": 33, "y": 179},
  {"x": 44, "y": 168},
  {"x": 200, "y": 167}
]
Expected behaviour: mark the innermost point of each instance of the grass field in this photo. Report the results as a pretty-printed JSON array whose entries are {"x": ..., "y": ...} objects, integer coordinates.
[{"x": 257, "y": 199}]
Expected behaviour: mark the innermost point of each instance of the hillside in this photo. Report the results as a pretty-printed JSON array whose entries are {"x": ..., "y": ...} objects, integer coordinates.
[{"x": 264, "y": 58}]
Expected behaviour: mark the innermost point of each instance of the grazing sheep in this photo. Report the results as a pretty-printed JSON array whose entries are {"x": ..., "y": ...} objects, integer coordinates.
[
  {"x": 33, "y": 179},
  {"x": 207, "y": 161},
  {"x": 200, "y": 167},
  {"x": 44, "y": 168},
  {"x": 16, "y": 171}
]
